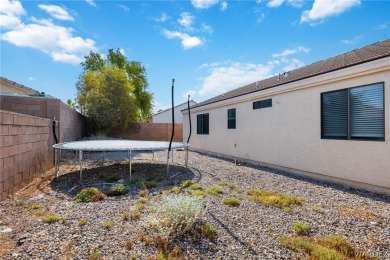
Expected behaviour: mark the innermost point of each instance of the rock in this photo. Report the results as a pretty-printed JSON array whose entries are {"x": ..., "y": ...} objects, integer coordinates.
[
  {"x": 6, "y": 230},
  {"x": 121, "y": 181},
  {"x": 21, "y": 241}
]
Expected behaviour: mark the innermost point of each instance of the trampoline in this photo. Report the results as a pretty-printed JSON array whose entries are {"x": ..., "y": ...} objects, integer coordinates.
[{"x": 128, "y": 146}]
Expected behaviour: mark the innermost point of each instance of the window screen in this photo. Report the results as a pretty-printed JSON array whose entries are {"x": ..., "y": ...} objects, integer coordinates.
[{"x": 232, "y": 118}]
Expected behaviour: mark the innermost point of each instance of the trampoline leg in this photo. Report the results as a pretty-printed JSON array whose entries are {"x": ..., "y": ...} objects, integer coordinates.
[
  {"x": 186, "y": 158},
  {"x": 129, "y": 154},
  {"x": 153, "y": 156},
  {"x": 104, "y": 157},
  {"x": 172, "y": 155},
  {"x": 81, "y": 165}
]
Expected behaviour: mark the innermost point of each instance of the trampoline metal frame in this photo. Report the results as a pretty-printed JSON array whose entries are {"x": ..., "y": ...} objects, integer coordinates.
[{"x": 79, "y": 153}]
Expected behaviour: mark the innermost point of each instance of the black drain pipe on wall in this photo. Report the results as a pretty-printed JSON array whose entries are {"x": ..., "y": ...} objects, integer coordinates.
[
  {"x": 54, "y": 130},
  {"x": 189, "y": 117}
]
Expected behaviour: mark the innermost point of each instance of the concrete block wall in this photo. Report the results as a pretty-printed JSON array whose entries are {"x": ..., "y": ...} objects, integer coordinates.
[
  {"x": 25, "y": 150},
  {"x": 71, "y": 123},
  {"x": 150, "y": 132}
]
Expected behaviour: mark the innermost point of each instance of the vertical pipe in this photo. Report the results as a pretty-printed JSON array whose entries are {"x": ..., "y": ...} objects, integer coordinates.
[
  {"x": 189, "y": 118},
  {"x": 129, "y": 154},
  {"x": 173, "y": 127},
  {"x": 81, "y": 165}
]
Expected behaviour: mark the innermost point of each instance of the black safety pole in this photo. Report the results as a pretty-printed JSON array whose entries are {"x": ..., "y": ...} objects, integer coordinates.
[
  {"x": 189, "y": 117},
  {"x": 173, "y": 128}
]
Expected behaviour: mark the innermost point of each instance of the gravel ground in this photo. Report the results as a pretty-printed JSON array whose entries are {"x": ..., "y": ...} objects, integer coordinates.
[{"x": 250, "y": 231}]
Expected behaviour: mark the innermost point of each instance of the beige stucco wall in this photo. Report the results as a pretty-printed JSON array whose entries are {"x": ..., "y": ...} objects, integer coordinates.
[
  {"x": 166, "y": 116},
  {"x": 289, "y": 133}
]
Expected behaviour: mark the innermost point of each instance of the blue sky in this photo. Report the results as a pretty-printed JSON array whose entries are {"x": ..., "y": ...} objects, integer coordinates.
[{"x": 208, "y": 46}]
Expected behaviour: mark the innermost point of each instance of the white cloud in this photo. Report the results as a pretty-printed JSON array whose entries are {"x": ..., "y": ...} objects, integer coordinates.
[
  {"x": 260, "y": 18},
  {"x": 57, "y": 41},
  {"x": 186, "y": 20},
  {"x": 288, "y": 52},
  {"x": 187, "y": 41},
  {"x": 354, "y": 40},
  {"x": 203, "y": 4},
  {"x": 91, "y": 3},
  {"x": 10, "y": 13},
  {"x": 57, "y": 12},
  {"x": 206, "y": 28},
  {"x": 295, "y": 3},
  {"x": 124, "y": 8},
  {"x": 380, "y": 27},
  {"x": 31, "y": 78},
  {"x": 292, "y": 64},
  {"x": 164, "y": 17},
  {"x": 323, "y": 9},
  {"x": 122, "y": 51},
  {"x": 230, "y": 75},
  {"x": 275, "y": 3},
  {"x": 158, "y": 105},
  {"x": 224, "y": 5}
]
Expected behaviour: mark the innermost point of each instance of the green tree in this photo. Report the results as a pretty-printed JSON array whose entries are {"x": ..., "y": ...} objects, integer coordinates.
[{"x": 112, "y": 91}]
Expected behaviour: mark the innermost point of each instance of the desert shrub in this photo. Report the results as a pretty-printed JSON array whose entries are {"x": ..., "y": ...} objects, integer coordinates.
[
  {"x": 143, "y": 200},
  {"x": 208, "y": 231},
  {"x": 337, "y": 243},
  {"x": 129, "y": 244},
  {"x": 186, "y": 183},
  {"x": 232, "y": 202},
  {"x": 214, "y": 190},
  {"x": 276, "y": 199},
  {"x": 117, "y": 190},
  {"x": 176, "y": 189},
  {"x": 135, "y": 215},
  {"x": 195, "y": 186},
  {"x": 141, "y": 185},
  {"x": 197, "y": 193},
  {"x": 82, "y": 222},
  {"x": 177, "y": 214},
  {"x": 107, "y": 224},
  {"x": 51, "y": 218},
  {"x": 300, "y": 227},
  {"x": 143, "y": 193},
  {"x": 89, "y": 195},
  {"x": 36, "y": 206},
  {"x": 151, "y": 184}
]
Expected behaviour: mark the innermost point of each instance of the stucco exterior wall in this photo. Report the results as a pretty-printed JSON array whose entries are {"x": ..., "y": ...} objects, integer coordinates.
[
  {"x": 289, "y": 133},
  {"x": 166, "y": 116}
]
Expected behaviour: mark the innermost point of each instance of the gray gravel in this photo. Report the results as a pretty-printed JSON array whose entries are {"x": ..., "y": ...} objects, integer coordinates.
[{"x": 250, "y": 231}]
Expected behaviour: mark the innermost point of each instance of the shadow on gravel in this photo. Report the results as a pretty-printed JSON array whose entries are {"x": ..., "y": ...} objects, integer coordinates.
[
  {"x": 327, "y": 184},
  {"x": 105, "y": 176},
  {"x": 234, "y": 236}
]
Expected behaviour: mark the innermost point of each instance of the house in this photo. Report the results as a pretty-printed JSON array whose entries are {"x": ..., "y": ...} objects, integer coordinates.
[
  {"x": 11, "y": 88},
  {"x": 328, "y": 120},
  {"x": 166, "y": 115}
]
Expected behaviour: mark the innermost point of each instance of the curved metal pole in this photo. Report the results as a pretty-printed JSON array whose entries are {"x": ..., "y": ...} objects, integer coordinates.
[
  {"x": 173, "y": 127},
  {"x": 189, "y": 117}
]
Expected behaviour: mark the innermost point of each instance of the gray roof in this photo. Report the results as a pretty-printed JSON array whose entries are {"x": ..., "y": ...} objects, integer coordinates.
[
  {"x": 32, "y": 91},
  {"x": 368, "y": 53}
]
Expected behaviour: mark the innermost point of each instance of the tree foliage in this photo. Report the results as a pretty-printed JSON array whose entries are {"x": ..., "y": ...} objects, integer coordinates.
[{"x": 112, "y": 90}]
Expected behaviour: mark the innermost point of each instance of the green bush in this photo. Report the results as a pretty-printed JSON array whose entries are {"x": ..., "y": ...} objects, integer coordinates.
[
  {"x": 117, "y": 190},
  {"x": 113, "y": 177},
  {"x": 51, "y": 218},
  {"x": 214, "y": 190},
  {"x": 208, "y": 231},
  {"x": 186, "y": 183},
  {"x": 276, "y": 199},
  {"x": 177, "y": 214},
  {"x": 300, "y": 227},
  {"x": 89, "y": 195},
  {"x": 232, "y": 202},
  {"x": 195, "y": 186}
]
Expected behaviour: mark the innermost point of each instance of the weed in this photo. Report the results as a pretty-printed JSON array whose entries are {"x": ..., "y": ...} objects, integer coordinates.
[
  {"x": 222, "y": 183},
  {"x": 214, "y": 190},
  {"x": 276, "y": 199},
  {"x": 177, "y": 214},
  {"x": 140, "y": 206},
  {"x": 95, "y": 255},
  {"x": 317, "y": 209},
  {"x": 197, "y": 193},
  {"x": 232, "y": 202},
  {"x": 176, "y": 189},
  {"x": 186, "y": 183},
  {"x": 129, "y": 244},
  {"x": 20, "y": 203},
  {"x": 151, "y": 184},
  {"x": 82, "y": 222},
  {"x": 51, "y": 218},
  {"x": 113, "y": 177},
  {"x": 195, "y": 186},
  {"x": 125, "y": 216},
  {"x": 133, "y": 256},
  {"x": 135, "y": 215},
  {"x": 107, "y": 224},
  {"x": 328, "y": 247},
  {"x": 270, "y": 228},
  {"x": 89, "y": 195},
  {"x": 117, "y": 190},
  {"x": 358, "y": 211},
  {"x": 143, "y": 200},
  {"x": 167, "y": 192},
  {"x": 208, "y": 231},
  {"x": 143, "y": 193},
  {"x": 300, "y": 227},
  {"x": 36, "y": 206},
  {"x": 141, "y": 185}
]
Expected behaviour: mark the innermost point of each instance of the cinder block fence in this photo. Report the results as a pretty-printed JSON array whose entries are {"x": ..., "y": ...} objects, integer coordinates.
[{"x": 25, "y": 150}]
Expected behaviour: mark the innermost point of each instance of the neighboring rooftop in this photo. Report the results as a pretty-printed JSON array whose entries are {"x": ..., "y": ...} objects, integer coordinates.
[
  {"x": 12, "y": 88},
  {"x": 368, "y": 53}
]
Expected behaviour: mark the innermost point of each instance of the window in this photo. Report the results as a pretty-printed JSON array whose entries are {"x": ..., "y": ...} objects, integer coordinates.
[
  {"x": 262, "y": 104},
  {"x": 355, "y": 113},
  {"x": 202, "y": 124},
  {"x": 231, "y": 118}
]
